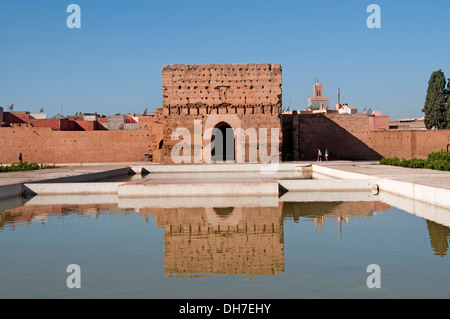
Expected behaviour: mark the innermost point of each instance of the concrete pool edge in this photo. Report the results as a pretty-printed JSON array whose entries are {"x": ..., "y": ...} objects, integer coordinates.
[
  {"x": 346, "y": 176},
  {"x": 14, "y": 184},
  {"x": 197, "y": 185},
  {"x": 415, "y": 190}
]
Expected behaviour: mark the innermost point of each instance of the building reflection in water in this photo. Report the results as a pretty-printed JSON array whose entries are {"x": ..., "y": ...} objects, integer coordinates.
[
  {"x": 342, "y": 212},
  {"x": 241, "y": 240},
  {"x": 246, "y": 240},
  {"x": 222, "y": 240},
  {"x": 25, "y": 215}
]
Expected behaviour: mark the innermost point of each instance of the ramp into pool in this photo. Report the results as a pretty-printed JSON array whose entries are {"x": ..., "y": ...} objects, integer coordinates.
[
  {"x": 199, "y": 186},
  {"x": 163, "y": 187}
]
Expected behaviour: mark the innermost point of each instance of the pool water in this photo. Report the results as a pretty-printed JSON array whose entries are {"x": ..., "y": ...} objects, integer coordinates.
[{"x": 275, "y": 250}]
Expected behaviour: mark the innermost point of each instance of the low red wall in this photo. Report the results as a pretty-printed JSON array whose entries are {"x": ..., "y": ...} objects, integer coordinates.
[
  {"x": 350, "y": 137},
  {"x": 43, "y": 145},
  {"x": 346, "y": 137},
  {"x": 409, "y": 144}
]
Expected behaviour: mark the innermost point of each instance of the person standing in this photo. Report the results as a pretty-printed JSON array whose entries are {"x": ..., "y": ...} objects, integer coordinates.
[
  {"x": 319, "y": 155},
  {"x": 20, "y": 158},
  {"x": 326, "y": 155}
]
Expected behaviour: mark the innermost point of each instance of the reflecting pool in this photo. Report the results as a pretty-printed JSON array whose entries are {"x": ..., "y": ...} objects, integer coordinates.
[{"x": 222, "y": 248}]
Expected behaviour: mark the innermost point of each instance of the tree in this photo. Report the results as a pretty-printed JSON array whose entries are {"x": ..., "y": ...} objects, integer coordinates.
[
  {"x": 435, "y": 102},
  {"x": 447, "y": 96}
]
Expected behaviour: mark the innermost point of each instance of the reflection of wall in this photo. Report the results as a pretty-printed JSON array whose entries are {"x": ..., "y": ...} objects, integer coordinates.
[
  {"x": 347, "y": 210},
  {"x": 40, "y": 213},
  {"x": 230, "y": 240},
  {"x": 342, "y": 211}
]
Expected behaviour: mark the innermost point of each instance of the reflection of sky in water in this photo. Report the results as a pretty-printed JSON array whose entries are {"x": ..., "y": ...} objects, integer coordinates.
[{"x": 289, "y": 250}]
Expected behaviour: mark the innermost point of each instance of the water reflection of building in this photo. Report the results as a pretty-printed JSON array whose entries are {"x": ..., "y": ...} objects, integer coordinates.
[
  {"x": 246, "y": 240},
  {"x": 40, "y": 213},
  {"x": 319, "y": 212},
  {"x": 342, "y": 211},
  {"x": 227, "y": 240}
]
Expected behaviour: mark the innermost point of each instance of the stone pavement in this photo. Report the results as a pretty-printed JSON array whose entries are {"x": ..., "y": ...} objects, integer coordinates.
[
  {"x": 7, "y": 178},
  {"x": 11, "y": 183},
  {"x": 428, "y": 177},
  {"x": 423, "y": 185}
]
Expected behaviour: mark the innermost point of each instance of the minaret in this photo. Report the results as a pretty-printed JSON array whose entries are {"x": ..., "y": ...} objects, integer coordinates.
[{"x": 318, "y": 101}]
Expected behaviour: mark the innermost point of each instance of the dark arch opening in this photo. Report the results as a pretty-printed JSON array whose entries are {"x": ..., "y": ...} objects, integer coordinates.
[
  {"x": 223, "y": 212},
  {"x": 222, "y": 143}
]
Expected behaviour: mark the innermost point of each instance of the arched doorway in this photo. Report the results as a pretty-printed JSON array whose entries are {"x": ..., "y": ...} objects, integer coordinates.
[
  {"x": 223, "y": 212},
  {"x": 222, "y": 143}
]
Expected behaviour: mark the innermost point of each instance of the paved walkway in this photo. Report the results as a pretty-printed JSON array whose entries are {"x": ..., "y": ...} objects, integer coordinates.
[
  {"x": 419, "y": 176},
  {"x": 8, "y": 178},
  {"x": 9, "y": 182}
]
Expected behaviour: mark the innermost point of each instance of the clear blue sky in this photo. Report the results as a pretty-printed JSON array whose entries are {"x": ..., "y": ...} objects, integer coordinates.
[{"x": 113, "y": 63}]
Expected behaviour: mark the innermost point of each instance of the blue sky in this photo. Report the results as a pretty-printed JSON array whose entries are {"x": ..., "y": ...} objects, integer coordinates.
[{"x": 113, "y": 63}]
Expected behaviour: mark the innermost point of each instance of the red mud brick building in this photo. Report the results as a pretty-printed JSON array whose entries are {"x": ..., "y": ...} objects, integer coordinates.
[
  {"x": 206, "y": 97},
  {"x": 219, "y": 96}
]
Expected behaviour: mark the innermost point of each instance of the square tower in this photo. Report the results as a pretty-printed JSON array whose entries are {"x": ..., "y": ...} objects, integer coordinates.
[
  {"x": 318, "y": 101},
  {"x": 230, "y": 98}
]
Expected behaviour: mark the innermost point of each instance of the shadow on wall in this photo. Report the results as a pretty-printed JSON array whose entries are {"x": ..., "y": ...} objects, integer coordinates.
[{"x": 343, "y": 137}]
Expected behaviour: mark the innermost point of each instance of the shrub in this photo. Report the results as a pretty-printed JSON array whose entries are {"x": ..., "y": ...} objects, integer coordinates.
[
  {"x": 404, "y": 163},
  {"x": 436, "y": 160},
  {"x": 394, "y": 161},
  {"x": 417, "y": 163},
  {"x": 25, "y": 166},
  {"x": 440, "y": 155},
  {"x": 438, "y": 164}
]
